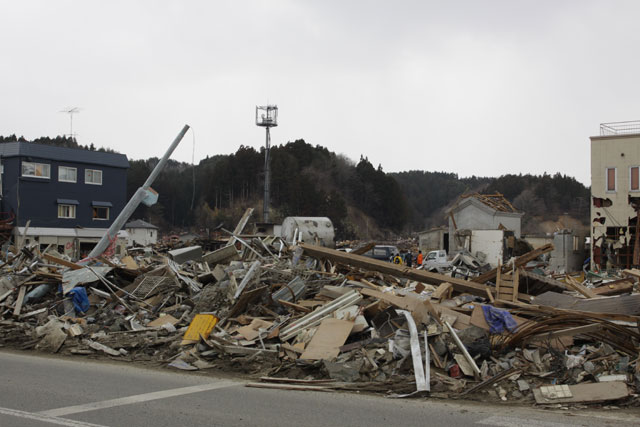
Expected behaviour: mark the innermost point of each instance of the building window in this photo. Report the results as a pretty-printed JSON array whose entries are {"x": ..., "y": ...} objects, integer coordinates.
[
  {"x": 93, "y": 176},
  {"x": 66, "y": 211},
  {"x": 100, "y": 213},
  {"x": 37, "y": 170},
  {"x": 634, "y": 178},
  {"x": 611, "y": 179},
  {"x": 67, "y": 174}
]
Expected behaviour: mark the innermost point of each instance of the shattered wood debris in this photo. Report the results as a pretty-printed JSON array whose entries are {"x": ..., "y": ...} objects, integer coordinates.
[{"x": 310, "y": 318}]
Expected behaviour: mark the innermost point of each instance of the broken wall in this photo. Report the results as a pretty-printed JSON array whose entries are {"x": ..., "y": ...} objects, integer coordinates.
[
  {"x": 477, "y": 216},
  {"x": 569, "y": 252},
  {"x": 433, "y": 240},
  {"x": 613, "y": 215}
]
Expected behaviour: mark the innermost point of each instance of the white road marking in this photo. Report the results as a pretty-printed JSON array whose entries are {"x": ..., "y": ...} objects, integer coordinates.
[
  {"x": 518, "y": 422},
  {"x": 137, "y": 398},
  {"x": 45, "y": 418}
]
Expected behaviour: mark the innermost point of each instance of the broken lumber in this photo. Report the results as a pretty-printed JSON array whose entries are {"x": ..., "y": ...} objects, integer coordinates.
[
  {"x": 397, "y": 270},
  {"x": 573, "y": 284},
  {"x": 61, "y": 261},
  {"x": 519, "y": 262}
]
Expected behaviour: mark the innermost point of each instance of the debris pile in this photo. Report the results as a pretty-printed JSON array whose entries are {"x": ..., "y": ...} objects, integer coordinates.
[{"x": 311, "y": 318}]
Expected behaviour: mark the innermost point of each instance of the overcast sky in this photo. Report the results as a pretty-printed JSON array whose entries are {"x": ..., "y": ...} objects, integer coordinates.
[{"x": 472, "y": 87}]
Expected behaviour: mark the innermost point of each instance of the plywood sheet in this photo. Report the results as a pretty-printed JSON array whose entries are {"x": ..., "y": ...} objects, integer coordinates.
[
  {"x": 325, "y": 344},
  {"x": 163, "y": 320}
]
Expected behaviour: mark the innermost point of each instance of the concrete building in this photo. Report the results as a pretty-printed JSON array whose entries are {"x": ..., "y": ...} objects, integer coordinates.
[
  {"x": 568, "y": 253},
  {"x": 434, "y": 239},
  {"x": 482, "y": 212},
  {"x": 141, "y": 233},
  {"x": 615, "y": 195}
]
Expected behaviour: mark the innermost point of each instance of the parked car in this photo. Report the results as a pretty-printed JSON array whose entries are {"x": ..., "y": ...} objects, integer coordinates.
[
  {"x": 436, "y": 260},
  {"x": 382, "y": 252}
]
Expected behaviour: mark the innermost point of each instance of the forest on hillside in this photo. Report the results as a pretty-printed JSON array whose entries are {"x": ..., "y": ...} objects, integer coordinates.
[
  {"x": 59, "y": 141},
  {"x": 361, "y": 199}
]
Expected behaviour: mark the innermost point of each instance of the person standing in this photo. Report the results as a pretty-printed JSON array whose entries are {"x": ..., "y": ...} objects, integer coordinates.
[
  {"x": 408, "y": 258},
  {"x": 419, "y": 260}
]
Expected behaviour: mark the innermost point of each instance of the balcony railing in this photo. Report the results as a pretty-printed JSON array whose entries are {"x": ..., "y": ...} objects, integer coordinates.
[{"x": 620, "y": 128}]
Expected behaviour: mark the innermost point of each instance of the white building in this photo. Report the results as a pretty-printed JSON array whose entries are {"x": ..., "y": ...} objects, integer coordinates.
[
  {"x": 615, "y": 195},
  {"x": 477, "y": 212},
  {"x": 141, "y": 233}
]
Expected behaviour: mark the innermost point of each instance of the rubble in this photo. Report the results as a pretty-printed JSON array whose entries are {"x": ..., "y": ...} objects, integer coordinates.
[{"x": 304, "y": 317}]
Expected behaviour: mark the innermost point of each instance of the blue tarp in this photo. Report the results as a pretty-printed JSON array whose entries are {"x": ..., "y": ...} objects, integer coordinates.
[
  {"x": 498, "y": 319},
  {"x": 80, "y": 299}
]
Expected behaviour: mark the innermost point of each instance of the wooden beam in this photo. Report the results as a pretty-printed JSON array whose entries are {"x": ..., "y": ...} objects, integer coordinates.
[
  {"x": 19, "y": 301},
  {"x": 624, "y": 286},
  {"x": 573, "y": 284},
  {"x": 519, "y": 262},
  {"x": 397, "y": 270},
  {"x": 364, "y": 249},
  {"x": 570, "y": 332},
  {"x": 444, "y": 290},
  {"x": 61, "y": 261}
]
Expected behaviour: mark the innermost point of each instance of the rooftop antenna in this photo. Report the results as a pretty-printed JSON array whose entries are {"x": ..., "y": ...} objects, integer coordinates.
[
  {"x": 71, "y": 111},
  {"x": 266, "y": 117}
]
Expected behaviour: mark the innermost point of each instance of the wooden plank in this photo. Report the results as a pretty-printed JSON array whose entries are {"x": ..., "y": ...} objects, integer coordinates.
[
  {"x": 295, "y": 306},
  {"x": 490, "y": 295},
  {"x": 624, "y": 286},
  {"x": 519, "y": 262},
  {"x": 444, "y": 290},
  {"x": 416, "y": 306},
  {"x": 573, "y": 284},
  {"x": 330, "y": 335},
  {"x": 555, "y": 285},
  {"x": 19, "y": 301},
  {"x": 633, "y": 272},
  {"x": 364, "y": 249},
  {"x": 570, "y": 332},
  {"x": 422, "y": 276},
  {"x": 61, "y": 261},
  {"x": 163, "y": 320},
  {"x": 240, "y": 226}
]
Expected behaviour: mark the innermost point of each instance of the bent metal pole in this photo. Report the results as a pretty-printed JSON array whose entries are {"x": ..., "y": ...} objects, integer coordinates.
[{"x": 135, "y": 200}]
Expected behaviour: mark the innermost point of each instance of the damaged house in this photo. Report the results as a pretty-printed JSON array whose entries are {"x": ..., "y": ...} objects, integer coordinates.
[
  {"x": 615, "y": 195},
  {"x": 486, "y": 225}
]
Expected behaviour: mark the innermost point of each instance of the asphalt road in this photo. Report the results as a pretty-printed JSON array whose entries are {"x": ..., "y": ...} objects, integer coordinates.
[{"x": 46, "y": 391}]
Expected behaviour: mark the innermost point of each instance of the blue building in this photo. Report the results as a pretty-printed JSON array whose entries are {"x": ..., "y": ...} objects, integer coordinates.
[{"x": 61, "y": 190}]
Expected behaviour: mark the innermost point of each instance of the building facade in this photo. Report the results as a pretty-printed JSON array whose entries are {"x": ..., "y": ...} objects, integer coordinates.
[
  {"x": 482, "y": 212},
  {"x": 615, "y": 195},
  {"x": 434, "y": 239},
  {"x": 141, "y": 233},
  {"x": 59, "y": 189}
]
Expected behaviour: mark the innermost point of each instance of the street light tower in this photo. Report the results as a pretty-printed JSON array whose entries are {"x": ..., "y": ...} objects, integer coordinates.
[{"x": 267, "y": 117}]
